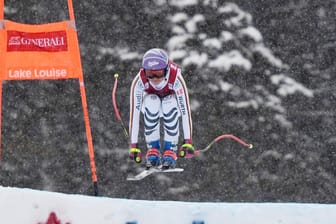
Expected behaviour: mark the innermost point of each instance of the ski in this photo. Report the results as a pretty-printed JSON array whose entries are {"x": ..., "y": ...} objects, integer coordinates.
[{"x": 150, "y": 171}]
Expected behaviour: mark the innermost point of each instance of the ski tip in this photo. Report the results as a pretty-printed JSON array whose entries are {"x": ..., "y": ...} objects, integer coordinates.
[
  {"x": 131, "y": 178},
  {"x": 250, "y": 146},
  {"x": 173, "y": 170},
  {"x": 116, "y": 75}
]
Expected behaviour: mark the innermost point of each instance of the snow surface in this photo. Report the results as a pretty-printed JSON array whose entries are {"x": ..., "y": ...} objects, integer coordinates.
[{"x": 26, "y": 206}]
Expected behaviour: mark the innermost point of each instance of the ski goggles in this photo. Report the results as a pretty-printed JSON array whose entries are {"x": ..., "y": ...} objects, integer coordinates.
[{"x": 155, "y": 74}]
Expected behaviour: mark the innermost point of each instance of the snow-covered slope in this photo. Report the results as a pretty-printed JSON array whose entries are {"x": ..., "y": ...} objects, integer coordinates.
[{"x": 18, "y": 206}]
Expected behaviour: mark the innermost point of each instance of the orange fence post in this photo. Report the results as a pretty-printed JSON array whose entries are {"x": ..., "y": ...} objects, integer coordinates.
[
  {"x": 0, "y": 122},
  {"x": 85, "y": 110},
  {"x": 2, "y": 11}
]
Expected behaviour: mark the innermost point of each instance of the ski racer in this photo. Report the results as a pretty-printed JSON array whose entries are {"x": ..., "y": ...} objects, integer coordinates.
[{"x": 160, "y": 93}]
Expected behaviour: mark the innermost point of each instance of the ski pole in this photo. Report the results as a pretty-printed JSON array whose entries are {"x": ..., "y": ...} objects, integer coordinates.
[
  {"x": 115, "y": 106},
  {"x": 116, "y": 76},
  {"x": 250, "y": 146}
]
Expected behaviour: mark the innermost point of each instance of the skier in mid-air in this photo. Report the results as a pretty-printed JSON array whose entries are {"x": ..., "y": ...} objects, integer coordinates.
[{"x": 159, "y": 92}]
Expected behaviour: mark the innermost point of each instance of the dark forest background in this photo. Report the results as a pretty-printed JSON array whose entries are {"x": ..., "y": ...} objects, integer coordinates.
[{"x": 294, "y": 155}]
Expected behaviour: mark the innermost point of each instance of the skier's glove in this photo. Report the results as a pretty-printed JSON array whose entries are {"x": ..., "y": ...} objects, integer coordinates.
[
  {"x": 187, "y": 150},
  {"x": 135, "y": 154}
]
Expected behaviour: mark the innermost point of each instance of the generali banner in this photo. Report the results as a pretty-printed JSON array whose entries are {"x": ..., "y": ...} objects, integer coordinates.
[
  {"x": 44, "y": 51},
  {"x": 45, "y": 41}
]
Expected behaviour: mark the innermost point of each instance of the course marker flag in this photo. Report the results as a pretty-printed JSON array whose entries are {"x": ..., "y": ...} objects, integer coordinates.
[{"x": 43, "y": 52}]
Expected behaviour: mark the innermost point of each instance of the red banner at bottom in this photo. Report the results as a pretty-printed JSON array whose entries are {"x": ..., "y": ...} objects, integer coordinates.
[{"x": 52, "y": 219}]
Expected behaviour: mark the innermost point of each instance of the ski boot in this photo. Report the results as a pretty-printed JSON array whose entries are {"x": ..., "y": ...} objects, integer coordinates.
[
  {"x": 168, "y": 159},
  {"x": 152, "y": 158}
]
